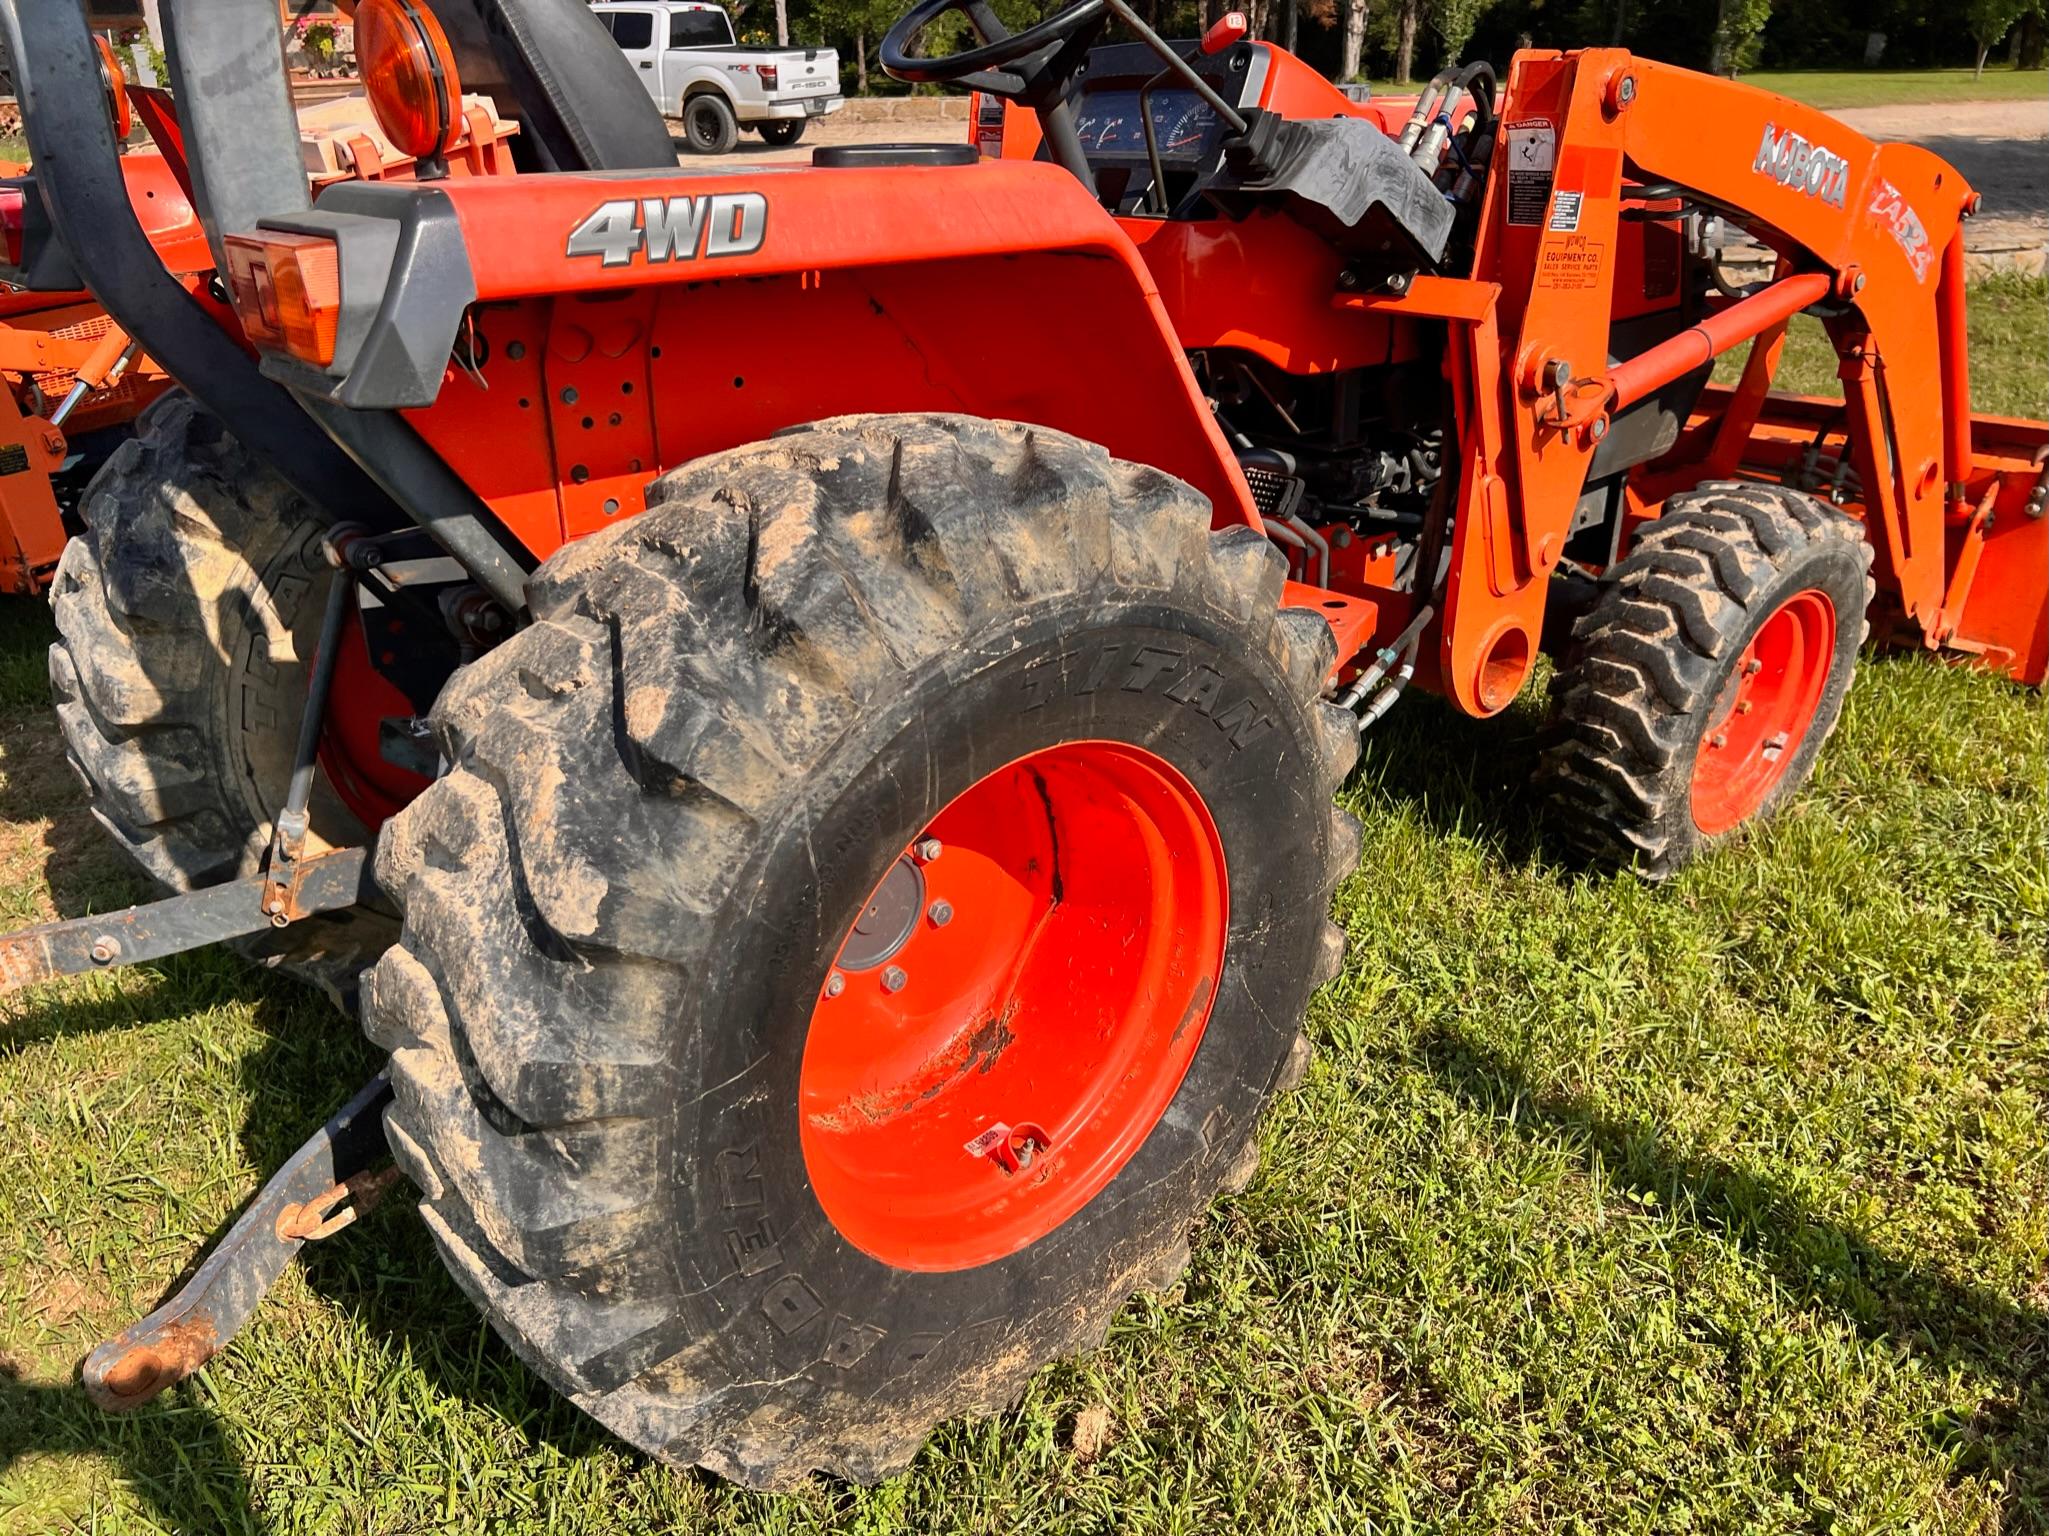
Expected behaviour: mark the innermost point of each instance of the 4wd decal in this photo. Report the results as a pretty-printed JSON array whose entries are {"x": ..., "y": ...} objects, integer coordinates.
[
  {"x": 672, "y": 228},
  {"x": 1896, "y": 215},
  {"x": 1802, "y": 167}
]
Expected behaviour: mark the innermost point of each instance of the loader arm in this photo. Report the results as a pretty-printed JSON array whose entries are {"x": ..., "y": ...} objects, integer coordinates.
[{"x": 1868, "y": 238}]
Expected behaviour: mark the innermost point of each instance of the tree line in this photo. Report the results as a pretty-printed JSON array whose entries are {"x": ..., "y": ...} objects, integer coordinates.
[{"x": 1403, "y": 40}]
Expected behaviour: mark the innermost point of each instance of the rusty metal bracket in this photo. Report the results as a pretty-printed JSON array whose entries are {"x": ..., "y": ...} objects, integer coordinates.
[
  {"x": 302, "y": 1203},
  {"x": 324, "y": 883}
]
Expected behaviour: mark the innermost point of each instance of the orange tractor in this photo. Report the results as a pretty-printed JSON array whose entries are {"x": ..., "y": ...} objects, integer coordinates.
[{"x": 844, "y": 670}]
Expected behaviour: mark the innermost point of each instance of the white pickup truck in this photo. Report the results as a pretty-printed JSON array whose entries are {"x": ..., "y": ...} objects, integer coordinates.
[{"x": 695, "y": 70}]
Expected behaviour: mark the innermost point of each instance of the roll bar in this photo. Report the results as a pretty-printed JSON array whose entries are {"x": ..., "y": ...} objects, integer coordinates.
[{"x": 243, "y": 146}]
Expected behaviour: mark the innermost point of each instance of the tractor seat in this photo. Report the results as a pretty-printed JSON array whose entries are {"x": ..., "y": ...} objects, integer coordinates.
[{"x": 846, "y": 156}]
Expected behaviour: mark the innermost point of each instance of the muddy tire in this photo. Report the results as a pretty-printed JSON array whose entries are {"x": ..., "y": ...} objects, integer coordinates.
[
  {"x": 1699, "y": 689},
  {"x": 185, "y": 615},
  {"x": 670, "y": 799}
]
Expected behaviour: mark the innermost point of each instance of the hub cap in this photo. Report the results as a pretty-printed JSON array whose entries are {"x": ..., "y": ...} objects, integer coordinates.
[
  {"x": 1764, "y": 711},
  {"x": 969, "y": 1084}
]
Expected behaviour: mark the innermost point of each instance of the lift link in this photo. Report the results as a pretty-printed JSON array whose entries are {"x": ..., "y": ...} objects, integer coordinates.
[{"x": 349, "y": 549}]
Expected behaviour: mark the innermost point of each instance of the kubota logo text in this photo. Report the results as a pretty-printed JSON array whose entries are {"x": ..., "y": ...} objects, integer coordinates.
[
  {"x": 1793, "y": 162},
  {"x": 672, "y": 228}
]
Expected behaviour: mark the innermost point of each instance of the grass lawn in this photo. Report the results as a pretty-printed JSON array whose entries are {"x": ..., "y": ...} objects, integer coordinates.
[
  {"x": 1717, "y": 1207},
  {"x": 1833, "y": 88}
]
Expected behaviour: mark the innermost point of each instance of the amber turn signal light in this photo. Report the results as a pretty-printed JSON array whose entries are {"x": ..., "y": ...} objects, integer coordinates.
[
  {"x": 287, "y": 291},
  {"x": 409, "y": 75},
  {"x": 116, "y": 85}
]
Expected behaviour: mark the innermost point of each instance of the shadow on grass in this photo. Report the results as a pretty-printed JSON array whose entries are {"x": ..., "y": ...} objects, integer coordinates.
[
  {"x": 173, "y": 1454},
  {"x": 1823, "y": 1264}
]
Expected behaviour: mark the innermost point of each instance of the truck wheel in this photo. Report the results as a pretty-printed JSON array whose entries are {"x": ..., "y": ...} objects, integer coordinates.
[
  {"x": 186, "y": 614},
  {"x": 1699, "y": 689},
  {"x": 866, "y": 917},
  {"x": 708, "y": 125},
  {"x": 783, "y": 132}
]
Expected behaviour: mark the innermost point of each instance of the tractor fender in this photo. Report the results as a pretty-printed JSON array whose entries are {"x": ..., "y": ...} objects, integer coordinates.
[{"x": 648, "y": 321}]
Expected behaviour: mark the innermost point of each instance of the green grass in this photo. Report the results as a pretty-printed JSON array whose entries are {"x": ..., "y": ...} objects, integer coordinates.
[
  {"x": 2009, "y": 317},
  {"x": 1833, "y": 88},
  {"x": 1717, "y": 1207}
]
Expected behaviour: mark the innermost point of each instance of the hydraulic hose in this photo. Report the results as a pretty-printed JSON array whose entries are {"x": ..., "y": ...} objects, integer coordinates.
[{"x": 1425, "y": 104}]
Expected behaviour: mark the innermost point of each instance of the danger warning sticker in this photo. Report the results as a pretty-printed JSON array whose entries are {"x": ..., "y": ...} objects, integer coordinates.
[{"x": 1532, "y": 153}]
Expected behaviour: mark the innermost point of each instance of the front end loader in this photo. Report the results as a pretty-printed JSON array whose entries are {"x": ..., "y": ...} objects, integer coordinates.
[{"x": 803, "y": 704}]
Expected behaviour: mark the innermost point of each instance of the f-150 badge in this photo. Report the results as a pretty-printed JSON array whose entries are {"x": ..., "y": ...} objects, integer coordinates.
[{"x": 672, "y": 228}]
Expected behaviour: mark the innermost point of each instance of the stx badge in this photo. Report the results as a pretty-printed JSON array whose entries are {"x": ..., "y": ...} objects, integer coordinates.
[
  {"x": 673, "y": 228},
  {"x": 1793, "y": 162}
]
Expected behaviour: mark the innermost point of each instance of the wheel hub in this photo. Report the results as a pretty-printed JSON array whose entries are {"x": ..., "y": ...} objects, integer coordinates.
[
  {"x": 1764, "y": 711},
  {"x": 1014, "y": 1006}
]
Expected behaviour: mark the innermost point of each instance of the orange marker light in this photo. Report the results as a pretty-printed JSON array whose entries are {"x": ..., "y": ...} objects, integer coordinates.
[
  {"x": 409, "y": 75},
  {"x": 117, "y": 90},
  {"x": 287, "y": 291}
]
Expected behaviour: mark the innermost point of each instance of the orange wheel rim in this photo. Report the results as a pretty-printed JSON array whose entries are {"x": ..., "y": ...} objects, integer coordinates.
[
  {"x": 1764, "y": 712},
  {"x": 1015, "y": 1006}
]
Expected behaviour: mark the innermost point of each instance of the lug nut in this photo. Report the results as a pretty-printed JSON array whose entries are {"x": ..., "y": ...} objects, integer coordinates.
[
  {"x": 894, "y": 978},
  {"x": 926, "y": 849},
  {"x": 835, "y": 984},
  {"x": 1718, "y": 740},
  {"x": 1752, "y": 667},
  {"x": 941, "y": 913}
]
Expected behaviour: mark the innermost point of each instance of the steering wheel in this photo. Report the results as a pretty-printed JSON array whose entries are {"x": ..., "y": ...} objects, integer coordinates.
[{"x": 1031, "y": 67}]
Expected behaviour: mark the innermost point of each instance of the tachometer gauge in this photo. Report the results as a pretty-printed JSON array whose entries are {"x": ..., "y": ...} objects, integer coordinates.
[{"x": 1189, "y": 127}]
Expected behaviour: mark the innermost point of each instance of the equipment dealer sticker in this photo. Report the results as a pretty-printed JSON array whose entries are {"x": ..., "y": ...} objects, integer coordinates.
[
  {"x": 1565, "y": 213},
  {"x": 1571, "y": 266},
  {"x": 1532, "y": 152}
]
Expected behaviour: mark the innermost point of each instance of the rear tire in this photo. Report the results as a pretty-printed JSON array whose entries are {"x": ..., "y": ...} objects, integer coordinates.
[
  {"x": 1699, "y": 689},
  {"x": 673, "y": 794},
  {"x": 783, "y": 132},
  {"x": 709, "y": 127},
  {"x": 185, "y": 614}
]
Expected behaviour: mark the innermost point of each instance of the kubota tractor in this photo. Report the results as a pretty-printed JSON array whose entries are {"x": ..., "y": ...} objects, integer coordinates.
[{"x": 847, "y": 667}]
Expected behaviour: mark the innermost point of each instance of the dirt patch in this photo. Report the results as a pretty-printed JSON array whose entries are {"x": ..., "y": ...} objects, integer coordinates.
[
  {"x": 1091, "y": 1433},
  {"x": 2000, "y": 149}
]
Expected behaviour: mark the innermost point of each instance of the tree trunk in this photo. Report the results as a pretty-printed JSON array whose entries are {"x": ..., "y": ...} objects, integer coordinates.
[
  {"x": 1979, "y": 72},
  {"x": 1289, "y": 22},
  {"x": 861, "y": 61},
  {"x": 1621, "y": 21},
  {"x": 2033, "y": 39},
  {"x": 1718, "y": 48},
  {"x": 1407, "y": 21},
  {"x": 782, "y": 23},
  {"x": 1356, "y": 14}
]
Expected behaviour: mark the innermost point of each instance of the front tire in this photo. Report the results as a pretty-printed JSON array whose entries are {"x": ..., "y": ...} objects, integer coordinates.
[
  {"x": 783, "y": 132},
  {"x": 1699, "y": 689},
  {"x": 709, "y": 127},
  {"x": 676, "y": 804}
]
